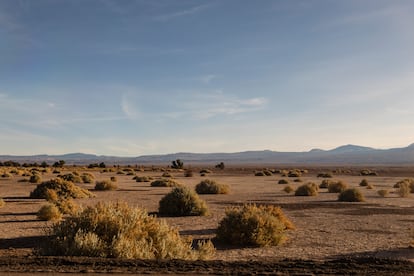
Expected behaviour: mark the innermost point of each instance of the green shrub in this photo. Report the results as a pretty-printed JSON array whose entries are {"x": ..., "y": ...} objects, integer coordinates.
[
  {"x": 252, "y": 225},
  {"x": 182, "y": 201},
  {"x": 363, "y": 183},
  {"x": 35, "y": 178},
  {"x": 64, "y": 189},
  {"x": 382, "y": 193},
  {"x": 309, "y": 189},
  {"x": 165, "y": 183},
  {"x": 49, "y": 212},
  {"x": 115, "y": 230},
  {"x": 351, "y": 195},
  {"x": 283, "y": 181},
  {"x": 105, "y": 185},
  {"x": 208, "y": 186},
  {"x": 337, "y": 187}
]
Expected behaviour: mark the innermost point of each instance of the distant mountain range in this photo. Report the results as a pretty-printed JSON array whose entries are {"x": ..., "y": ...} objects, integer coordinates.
[{"x": 348, "y": 154}]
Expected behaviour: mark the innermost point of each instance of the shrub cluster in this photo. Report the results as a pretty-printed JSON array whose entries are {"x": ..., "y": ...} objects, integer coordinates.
[
  {"x": 182, "y": 201},
  {"x": 309, "y": 189},
  {"x": 253, "y": 225},
  {"x": 116, "y": 230},
  {"x": 72, "y": 177},
  {"x": 35, "y": 178},
  {"x": 142, "y": 178},
  {"x": 63, "y": 189},
  {"x": 325, "y": 183},
  {"x": 49, "y": 212},
  {"x": 208, "y": 186}
]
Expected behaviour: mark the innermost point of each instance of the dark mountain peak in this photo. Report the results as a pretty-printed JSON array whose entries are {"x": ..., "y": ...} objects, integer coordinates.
[{"x": 350, "y": 148}]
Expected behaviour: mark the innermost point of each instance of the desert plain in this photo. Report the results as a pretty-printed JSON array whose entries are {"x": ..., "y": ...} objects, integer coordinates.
[{"x": 331, "y": 237}]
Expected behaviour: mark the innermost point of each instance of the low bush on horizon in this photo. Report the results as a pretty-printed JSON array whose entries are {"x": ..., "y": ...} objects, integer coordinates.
[
  {"x": 208, "y": 186},
  {"x": 115, "y": 230},
  {"x": 351, "y": 195},
  {"x": 309, "y": 189},
  {"x": 182, "y": 201},
  {"x": 165, "y": 183},
  {"x": 63, "y": 189},
  {"x": 251, "y": 225},
  {"x": 105, "y": 185}
]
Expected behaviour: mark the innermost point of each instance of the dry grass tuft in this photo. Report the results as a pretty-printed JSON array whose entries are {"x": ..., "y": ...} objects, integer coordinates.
[
  {"x": 165, "y": 183},
  {"x": 142, "y": 178},
  {"x": 337, "y": 187},
  {"x": 116, "y": 230},
  {"x": 251, "y": 225},
  {"x": 288, "y": 189},
  {"x": 2, "y": 202},
  {"x": 382, "y": 193}
]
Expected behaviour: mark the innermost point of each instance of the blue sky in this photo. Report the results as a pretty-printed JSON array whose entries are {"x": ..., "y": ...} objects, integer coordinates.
[{"x": 138, "y": 77}]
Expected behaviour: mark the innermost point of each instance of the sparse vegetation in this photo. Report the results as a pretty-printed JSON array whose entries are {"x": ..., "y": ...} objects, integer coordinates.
[
  {"x": 71, "y": 177},
  {"x": 63, "y": 189},
  {"x": 309, "y": 189},
  {"x": 208, "y": 186},
  {"x": 166, "y": 174},
  {"x": 177, "y": 164},
  {"x": 283, "y": 181},
  {"x": 182, "y": 201},
  {"x": 165, "y": 183},
  {"x": 188, "y": 173},
  {"x": 403, "y": 189},
  {"x": 351, "y": 195},
  {"x": 325, "y": 175},
  {"x": 87, "y": 178},
  {"x": 367, "y": 172},
  {"x": 2, "y": 202},
  {"x": 143, "y": 178},
  {"x": 35, "y": 178},
  {"x": 252, "y": 225},
  {"x": 205, "y": 171},
  {"x": 116, "y": 230},
  {"x": 325, "y": 183},
  {"x": 105, "y": 185}
]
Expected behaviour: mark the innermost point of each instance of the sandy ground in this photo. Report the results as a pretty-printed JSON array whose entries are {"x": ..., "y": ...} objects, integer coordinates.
[{"x": 326, "y": 229}]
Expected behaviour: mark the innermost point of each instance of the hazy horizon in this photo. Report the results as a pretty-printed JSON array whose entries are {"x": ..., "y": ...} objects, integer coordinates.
[{"x": 135, "y": 77}]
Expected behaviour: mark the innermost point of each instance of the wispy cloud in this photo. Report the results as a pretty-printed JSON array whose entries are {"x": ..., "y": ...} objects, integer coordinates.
[
  {"x": 207, "y": 78},
  {"x": 189, "y": 106},
  {"x": 180, "y": 13}
]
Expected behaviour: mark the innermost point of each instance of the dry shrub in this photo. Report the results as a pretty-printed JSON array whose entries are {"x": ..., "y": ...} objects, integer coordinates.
[
  {"x": 267, "y": 172},
  {"x": 325, "y": 183},
  {"x": 351, "y": 195},
  {"x": 2, "y": 202},
  {"x": 63, "y": 189},
  {"x": 165, "y": 183},
  {"x": 6, "y": 175},
  {"x": 298, "y": 180},
  {"x": 205, "y": 171},
  {"x": 113, "y": 179},
  {"x": 87, "y": 178},
  {"x": 288, "y": 189},
  {"x": 51, "y": 195},
  {"x": 142, "y": 178},
  {"x": 283, "y": 181},
  {"x": 337, "y": 187},
  {"x": 251, "y": 225},
  {"x": 208, "y": 186},
  {"x": 49, "y": 212},
  {"x": 35, "y": 178},
  {"x": 294, "y": 173},
  {"x": 72, "y": 177},
  {"x": 309, "y": 189},
  {"x": 382, "y": 193},
  {"x": 116, "y": 230},
  {"x": 188, "y": 173},
  {"x": 182, "y": 201},
  {"x": 408, "y": 182},
  {"x": 166, "y": 174},
  {"x": 259, "y": 173},
  {"x": 363, "y": 183},
  {"x": 105, "y": 185},
  {"x": 325, "y": 175},
  {"x": 370, "y": 187},
  {"x": 403, "y": 189}
]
